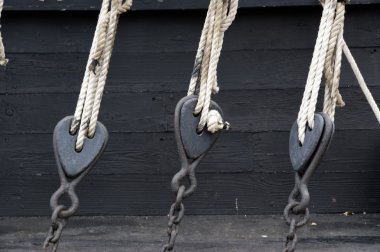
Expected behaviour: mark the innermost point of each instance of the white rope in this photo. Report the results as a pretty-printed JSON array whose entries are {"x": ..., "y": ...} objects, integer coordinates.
[
  {"x": 220, "y": 15},
  {"x": 309, "y": 100},
  {"x": 333, "y": 63},
  {"x": 3, "y": 59},
  {"x": 361, "y": 81},
  {"x": 87, "y": 110},
  {"x": 328, "y": 52}
]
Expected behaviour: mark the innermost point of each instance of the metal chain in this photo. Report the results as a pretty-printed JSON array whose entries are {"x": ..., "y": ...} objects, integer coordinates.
[
  {"x": 291, "y": 238},
  {"x": 57, "y": 224},
  {"x": 177, "y": 209},
  {"x": 296, "y": 216},
  {"x": 176, "y": 213},
  {"x": 61, "y": 213}
]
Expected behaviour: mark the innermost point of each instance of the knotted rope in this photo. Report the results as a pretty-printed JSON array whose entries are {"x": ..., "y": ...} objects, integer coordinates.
[
  {"x": 220, "y": 15},
  {"x": 3, "y": 59},
  {"x": 327, "y": 58},
  {"x": 90, "y": 97}
]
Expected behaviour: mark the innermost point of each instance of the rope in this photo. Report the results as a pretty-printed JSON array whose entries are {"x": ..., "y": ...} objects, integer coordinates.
[
  {"x": 361, "y": 81},
  {"x": 90, "y": 96},
  {"x": 220, "y": 15},
  {"x": 3, "y": 59},
  {"x": 327, "y": 59},
  {"x": 333, "y": 63},
  {"x": 309, "y": 100}
]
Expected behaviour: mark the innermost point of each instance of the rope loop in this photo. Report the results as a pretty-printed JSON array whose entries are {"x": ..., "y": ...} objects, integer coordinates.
[
  {"x": 95, "y": 77},
  {"x": 327, "y": 60},
  {"x": 220, "y": 15},
  {"x": 124, "y": 6}
]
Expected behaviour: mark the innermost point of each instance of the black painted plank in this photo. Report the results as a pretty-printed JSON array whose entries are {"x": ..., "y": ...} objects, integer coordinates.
[
  {"x": 156, "y": 153},
  {"x": 154, "y": 4},
  {"x": 261, "y": 80},
  {"x": 240, "y": 233},
  {"x": 246, "y": 110},
  {"x": 137, "y": 194},
  {"x": 351, "y": 150},
  {"x": 3, "y": 81},
  {"x": 291, "y": 28},
  {"x": 142, "y": 112},
  {"x": 170, "y": 72}
]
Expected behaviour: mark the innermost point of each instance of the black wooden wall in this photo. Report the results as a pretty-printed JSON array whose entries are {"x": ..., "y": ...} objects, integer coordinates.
[{"x": 262, "y": 74}]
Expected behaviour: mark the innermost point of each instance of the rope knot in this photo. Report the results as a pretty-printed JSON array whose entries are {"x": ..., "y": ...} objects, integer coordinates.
[
  {"x": 220, "y": 15},
  {"x": 215, "y": 88},
  {"x": 124, "y": 7},
  {"x": 215, "y": 122},
  {"x": 3, "y": 62}
]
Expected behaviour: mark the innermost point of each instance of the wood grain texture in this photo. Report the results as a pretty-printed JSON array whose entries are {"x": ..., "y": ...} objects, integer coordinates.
[
  {"x": 140, "y": 194},
  {"x": 156, "y": 153},
  {"x": 146, "y": 59},
  {"x": 156, "y": 4},
  {"x": 257, "y": 29},
  {"x": 246, "y": 110},
  {"x": 262, "y": 73},
  {"x": 168, "y": 72},
  {"x": 333, "y": 233}
]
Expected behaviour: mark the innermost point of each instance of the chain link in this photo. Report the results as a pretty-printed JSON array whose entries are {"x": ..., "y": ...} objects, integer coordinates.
[
  {"x": 295, "y": 219},
  {"x": 57, "y": 224},
  {"x": 176, "y": 213},
  {"x": 291, "y": 238},
  {"x": 189, "y": 162},
  {"x": 61, "y": 213}
]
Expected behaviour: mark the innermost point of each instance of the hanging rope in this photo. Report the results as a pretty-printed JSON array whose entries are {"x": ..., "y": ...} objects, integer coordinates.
[
  {"x": 220, "y": 15},
  {"x": 327, "y": 59},
  {"x": 361, "y": 81},
  {"x": 3, "y": 59},
  {"x": 333, "y": 63},
  {"x": 90, "y": 97},
  {"x": 309, "y": 101}
]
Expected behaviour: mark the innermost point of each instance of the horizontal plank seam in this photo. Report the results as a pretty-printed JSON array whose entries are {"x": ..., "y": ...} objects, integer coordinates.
[
  {"x": 6, "y": 133},
  {"x": 89, "y": 9},
  {"x": 110, "y": 91},
  {"x": 117, "y": 50},
  {"x": 168, "y": 174}
]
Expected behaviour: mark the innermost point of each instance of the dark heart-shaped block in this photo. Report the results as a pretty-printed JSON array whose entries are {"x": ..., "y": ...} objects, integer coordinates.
[
  {"x": 195, "y": 144},
  {"x": 72, "y": 162},
  {"x": 301, "y": 155}
]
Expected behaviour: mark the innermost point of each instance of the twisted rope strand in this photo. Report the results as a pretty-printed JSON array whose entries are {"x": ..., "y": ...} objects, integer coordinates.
[
  {"x": 87, "y": 110},
  {"x": 3, "y": 59},
  {"x": 83, "y": 92},
  {"x": 196, "y": 74},
  {"x": 206, "y": 59},
  {"x": 361, "y": 81},
  {"x": 333, "y": 64},
  {"x": 212, "y": 67},
  {"x": 111, "y": 35},
  {"x": 335, "y": 97},
  {"x": 220, "y": 15},
  {"x": 93, "y": 81},
  {"x": 330, "y": 53},
  {"x": 309, "y": 100}
]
